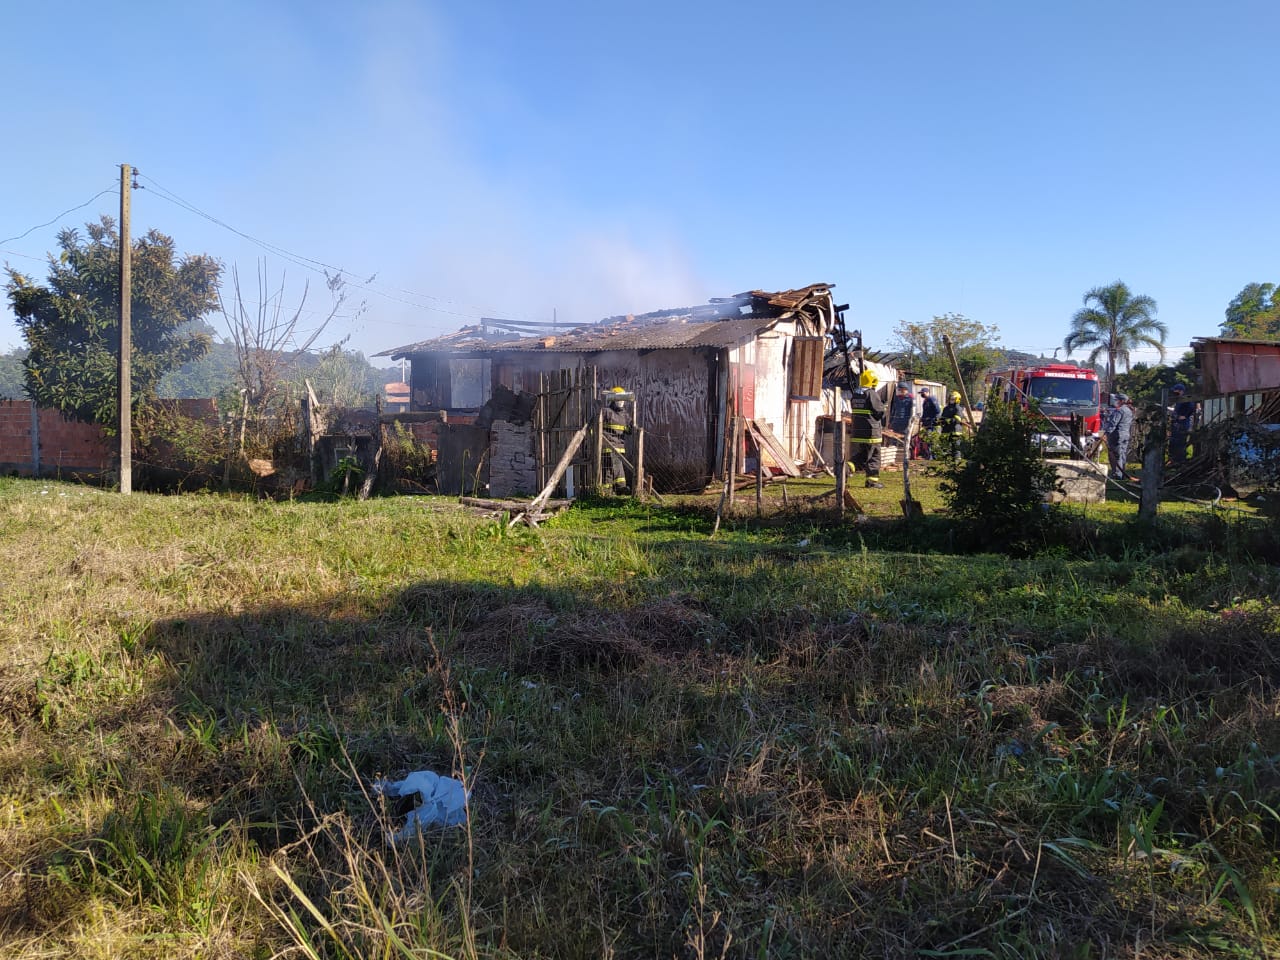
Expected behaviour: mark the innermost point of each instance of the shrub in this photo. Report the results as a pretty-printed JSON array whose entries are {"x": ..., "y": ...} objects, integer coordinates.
[{"x": 995, "y": 487}]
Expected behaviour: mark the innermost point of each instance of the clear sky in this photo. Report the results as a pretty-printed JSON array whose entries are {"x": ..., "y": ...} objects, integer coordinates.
[{"x": 995, "y": 158}]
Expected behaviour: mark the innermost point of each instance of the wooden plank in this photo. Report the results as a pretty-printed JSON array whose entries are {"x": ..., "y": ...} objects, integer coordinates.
[
  {"x": 767, "y": 442},
  {"x": 415, "y": 416}
]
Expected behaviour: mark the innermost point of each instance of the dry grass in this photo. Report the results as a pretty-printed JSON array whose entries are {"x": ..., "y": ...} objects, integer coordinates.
[{"x": 677, "y": 746}]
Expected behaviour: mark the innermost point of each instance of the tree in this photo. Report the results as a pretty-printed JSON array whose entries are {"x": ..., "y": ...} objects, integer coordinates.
[
  {"x": 1147, "y": 383},
  {"x": 1114, "y": 322},
  {"x": 345, "y": 378},
  {"x": 72, "y": 323},
  {"x": 12, "y": 376},
  {"x": 268, "y": 339},
  {"x": 1254, "y": 314},
  {"x": 925, "y": 356},
  {"x": 995, "y": 488}
]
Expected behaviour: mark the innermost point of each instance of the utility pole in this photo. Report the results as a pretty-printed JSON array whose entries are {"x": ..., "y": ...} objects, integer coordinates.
[{"x": 124, "y": 386}]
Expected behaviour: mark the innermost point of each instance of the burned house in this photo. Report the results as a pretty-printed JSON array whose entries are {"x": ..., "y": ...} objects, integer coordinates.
[
  {"x": 1240, "y": 387},
  {"x": 756, "y": 356}
]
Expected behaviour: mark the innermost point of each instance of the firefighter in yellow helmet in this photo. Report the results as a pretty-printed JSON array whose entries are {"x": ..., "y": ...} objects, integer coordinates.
[
  {"x": 868, "y": 426},
  {"x": 950, "y": 417},
  {"x": 617, "y": 426}
]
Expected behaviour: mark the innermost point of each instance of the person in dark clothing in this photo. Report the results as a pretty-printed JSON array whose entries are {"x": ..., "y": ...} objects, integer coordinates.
[
  {"x": 950, "y": 416},
  {"x": 868, "y": 426},
  {"x": 1181, "y": 424},
  {"x": 929, "y": 411},
  {"x": 617, "y": 425},
  {"x": 1117, "y": 424},
  {"x": 901, "y": 410}
]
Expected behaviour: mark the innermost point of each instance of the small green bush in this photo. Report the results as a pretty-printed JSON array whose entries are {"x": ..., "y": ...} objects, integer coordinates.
[{"x": 997, "y": 483}]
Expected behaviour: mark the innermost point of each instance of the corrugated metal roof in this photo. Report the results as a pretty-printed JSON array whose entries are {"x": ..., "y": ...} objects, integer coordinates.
[{"x": 722, "y": 322}]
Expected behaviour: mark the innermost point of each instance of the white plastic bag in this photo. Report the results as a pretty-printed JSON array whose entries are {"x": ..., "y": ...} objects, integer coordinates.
[{"x": 444, "y": 801}]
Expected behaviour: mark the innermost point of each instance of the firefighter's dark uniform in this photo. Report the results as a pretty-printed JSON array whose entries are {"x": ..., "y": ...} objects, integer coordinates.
[
  {"x": 616, "y": 427},
  {"x": 868, "y": 431}
]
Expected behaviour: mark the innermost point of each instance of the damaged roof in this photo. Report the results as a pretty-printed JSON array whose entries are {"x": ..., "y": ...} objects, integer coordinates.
[{"x": 721, "y": 322}]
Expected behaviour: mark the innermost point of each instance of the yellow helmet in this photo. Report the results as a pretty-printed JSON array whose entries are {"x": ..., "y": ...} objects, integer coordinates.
[
  {"x": 617, "y": 390},
  {"x": 955, "y": 396},
  {"x": 869, "y": 379}
]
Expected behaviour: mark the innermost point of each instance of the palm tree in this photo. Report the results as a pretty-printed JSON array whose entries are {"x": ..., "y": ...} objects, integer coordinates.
[{"x": 1114, "y": 321}]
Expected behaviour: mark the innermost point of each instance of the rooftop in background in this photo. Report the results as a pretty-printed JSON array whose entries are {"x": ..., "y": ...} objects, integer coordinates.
[{"x": 722, "y": 322}]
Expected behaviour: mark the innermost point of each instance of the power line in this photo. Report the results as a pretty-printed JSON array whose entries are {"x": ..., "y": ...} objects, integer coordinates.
[
  {"x": 110, "y": 189},
  {"x": 25, "y": 256},
  {"x": 320, "y": 266}
]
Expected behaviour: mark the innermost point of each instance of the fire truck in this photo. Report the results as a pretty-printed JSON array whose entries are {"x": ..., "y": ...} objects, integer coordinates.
[{"x": 1058, "y": 391}]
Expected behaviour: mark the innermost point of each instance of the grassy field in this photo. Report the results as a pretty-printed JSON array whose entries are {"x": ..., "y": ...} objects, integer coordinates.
[{"x": 799, "y": 738}]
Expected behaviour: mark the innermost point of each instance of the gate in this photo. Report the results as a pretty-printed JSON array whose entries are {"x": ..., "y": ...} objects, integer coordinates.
[{"x": 566, "y": 403}]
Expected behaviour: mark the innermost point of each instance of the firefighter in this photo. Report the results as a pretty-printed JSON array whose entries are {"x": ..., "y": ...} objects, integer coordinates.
[
  {"x": 949, "y": 419},
  {"x": 617, "y": 426},
  {"x": 868, "y": 426}
]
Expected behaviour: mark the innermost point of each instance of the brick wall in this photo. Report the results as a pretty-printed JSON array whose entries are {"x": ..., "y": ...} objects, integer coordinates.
[{"x": 64, "y": 446}]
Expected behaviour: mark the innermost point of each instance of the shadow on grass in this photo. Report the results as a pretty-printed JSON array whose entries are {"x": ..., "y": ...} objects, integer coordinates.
[{"x": 699, "y": 768}]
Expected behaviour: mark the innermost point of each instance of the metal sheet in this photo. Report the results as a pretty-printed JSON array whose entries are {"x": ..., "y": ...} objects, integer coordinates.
[{"x": 1230, "y": 367}]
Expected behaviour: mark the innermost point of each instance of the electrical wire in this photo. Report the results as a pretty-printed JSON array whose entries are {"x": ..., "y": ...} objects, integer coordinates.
[
  {"x": 321, "y": 266},
  {"x": 111, "y": 189}
]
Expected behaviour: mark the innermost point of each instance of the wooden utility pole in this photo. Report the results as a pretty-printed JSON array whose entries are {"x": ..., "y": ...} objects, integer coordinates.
[
  {"x": 964, "y": 391},
  {"x": 124, "y": 386}
]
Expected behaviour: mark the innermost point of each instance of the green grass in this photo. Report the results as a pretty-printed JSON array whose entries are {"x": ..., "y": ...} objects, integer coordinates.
[{"x": 802, "y": 737}]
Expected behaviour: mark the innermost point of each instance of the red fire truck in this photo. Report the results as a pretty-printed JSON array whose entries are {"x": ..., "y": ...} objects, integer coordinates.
[{"x": 1059, "y": 391}]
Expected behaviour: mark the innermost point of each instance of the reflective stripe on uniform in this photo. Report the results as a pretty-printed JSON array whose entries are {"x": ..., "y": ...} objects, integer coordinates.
[{"x": 866, "y": 439}]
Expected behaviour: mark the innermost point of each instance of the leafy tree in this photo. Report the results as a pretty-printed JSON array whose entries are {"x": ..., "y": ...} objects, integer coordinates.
[
  {"x": 71, "y": 324},
  {"x": 1254, "y": 314},
  {"x": 1147, "y": 383},
  {"x": 12, "y": 375},
  {"x": 925, "y": 356},
  {"x": 1114, "y": 322},
  {"x": 213, "y": 375},
  {"x": 345, "y": 378},
  {"x": 996, "y": 483}
]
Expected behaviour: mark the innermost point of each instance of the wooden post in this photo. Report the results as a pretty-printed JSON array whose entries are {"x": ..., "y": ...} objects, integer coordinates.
[
  {"x": 541, "y": 408},
  {"x": 1152, "y": 468},
  {"x": 838, "y": 445},
  {"x": 640, "y": 477},
  {"x": 734, "y": 454},
  {"x": 964, "y": 391},
  {"x": 600, "y": 447},
  {"x": 123, "y": 369},
  {"x": 759, "y": 480}
]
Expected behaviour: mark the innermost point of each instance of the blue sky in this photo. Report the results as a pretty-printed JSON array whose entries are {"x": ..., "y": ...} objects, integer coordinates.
[{"x": 578, "y": 160}]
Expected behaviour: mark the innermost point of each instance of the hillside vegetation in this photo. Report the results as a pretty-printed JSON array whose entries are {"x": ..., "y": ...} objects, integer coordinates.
[{"x": 800, "y": 738}]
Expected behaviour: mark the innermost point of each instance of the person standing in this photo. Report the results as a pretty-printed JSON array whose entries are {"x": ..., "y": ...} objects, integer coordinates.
[
  {"x": 617, "y": 426},
  {"x": 1117, "y": 424},
  {"x": 949, "y": 419},
  {"x": 901, "y": 410},
  {"x": 1181, "y": 424},
  {"x": 868, "y": 426},
  {"x": 929, "y": 411}
]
